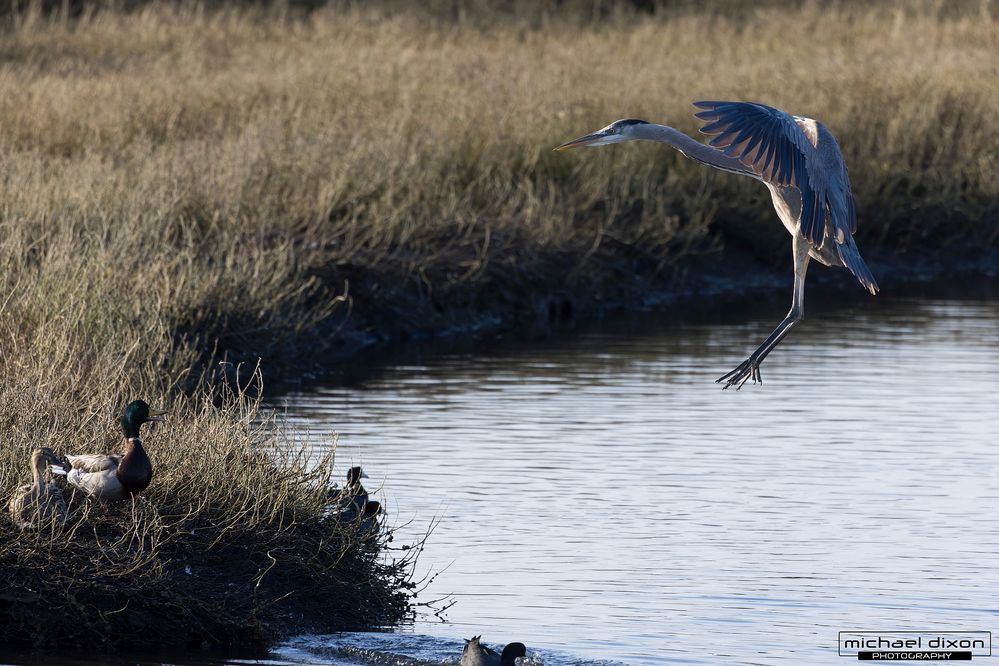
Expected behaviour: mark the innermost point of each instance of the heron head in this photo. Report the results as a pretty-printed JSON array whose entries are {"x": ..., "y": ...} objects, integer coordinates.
[{"x": 616, "y": 132}]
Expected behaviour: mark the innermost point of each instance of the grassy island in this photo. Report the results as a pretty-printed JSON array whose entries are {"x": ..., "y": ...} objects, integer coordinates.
[{"x": 236, "y": 542}]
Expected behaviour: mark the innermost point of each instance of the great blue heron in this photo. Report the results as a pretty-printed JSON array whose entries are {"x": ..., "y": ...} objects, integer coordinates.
[{"x": 800, "y": 163}]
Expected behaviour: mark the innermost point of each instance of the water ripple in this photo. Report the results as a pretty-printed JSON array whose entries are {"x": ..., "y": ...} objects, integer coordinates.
[{"x": 602, "y": 499}]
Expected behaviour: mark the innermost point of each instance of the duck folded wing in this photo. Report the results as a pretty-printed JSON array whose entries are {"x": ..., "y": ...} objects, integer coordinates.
[{"x": 94, "y": 462}]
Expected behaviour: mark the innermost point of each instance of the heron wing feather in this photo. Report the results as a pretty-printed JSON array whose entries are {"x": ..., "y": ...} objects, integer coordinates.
[{"x": 770, "y": 142}]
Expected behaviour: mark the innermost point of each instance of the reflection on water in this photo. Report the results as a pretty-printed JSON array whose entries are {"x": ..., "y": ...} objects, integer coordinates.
[{"x": 601, "y": 498}]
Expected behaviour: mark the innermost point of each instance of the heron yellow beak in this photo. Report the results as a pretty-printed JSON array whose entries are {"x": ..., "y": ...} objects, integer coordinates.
[{"x": 581, "y": 141}]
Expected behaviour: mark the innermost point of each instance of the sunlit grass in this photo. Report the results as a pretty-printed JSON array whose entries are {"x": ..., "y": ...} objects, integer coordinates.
[{"x": 221, "y": 174}]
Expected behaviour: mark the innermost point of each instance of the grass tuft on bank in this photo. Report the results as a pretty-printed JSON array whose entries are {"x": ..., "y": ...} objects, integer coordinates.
[{"x": 236, "y": 542}]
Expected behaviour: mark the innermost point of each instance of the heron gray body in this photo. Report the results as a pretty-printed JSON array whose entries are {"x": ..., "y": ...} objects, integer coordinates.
[{"x": 799, "y": 161}]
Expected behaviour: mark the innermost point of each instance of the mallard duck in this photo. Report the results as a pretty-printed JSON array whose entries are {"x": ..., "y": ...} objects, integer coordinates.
[
  {"x": 39, "y": 500},
  {"x": 477, "y": 654},
  {"x": 114, "y": 477},
  {"x": 356, "y": 505}
]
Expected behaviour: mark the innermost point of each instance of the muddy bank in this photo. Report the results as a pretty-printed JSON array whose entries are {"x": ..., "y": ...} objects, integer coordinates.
[
  {"x": 387, "y": 311},
  {"x": 246, "y": 591}
]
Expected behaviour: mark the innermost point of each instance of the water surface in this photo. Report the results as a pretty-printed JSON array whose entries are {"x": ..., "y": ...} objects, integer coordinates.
[{"x": 601, "y": 499}]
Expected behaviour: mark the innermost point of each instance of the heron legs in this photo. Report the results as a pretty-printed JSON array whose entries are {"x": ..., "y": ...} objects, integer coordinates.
[{"x": 750, "y": 368}]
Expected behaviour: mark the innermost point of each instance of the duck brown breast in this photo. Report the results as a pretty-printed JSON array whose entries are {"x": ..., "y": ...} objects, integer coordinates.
[{"x": 135, "y": 471}]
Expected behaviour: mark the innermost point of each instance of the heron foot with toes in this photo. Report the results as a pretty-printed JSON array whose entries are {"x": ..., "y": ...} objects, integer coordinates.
[{"x": 748, "y": 369}]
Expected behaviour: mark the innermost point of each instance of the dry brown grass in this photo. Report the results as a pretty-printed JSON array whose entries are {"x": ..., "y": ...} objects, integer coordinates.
[
  {"x": 221, "y": 174},
  {"x": 236, "y": 542},
  {"x": 200, "y": 167},
  {"x": 178, "y": 182}
]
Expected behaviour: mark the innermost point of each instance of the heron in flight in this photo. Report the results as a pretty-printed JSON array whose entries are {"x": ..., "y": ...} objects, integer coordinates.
[{"x": 800, "y": 163}]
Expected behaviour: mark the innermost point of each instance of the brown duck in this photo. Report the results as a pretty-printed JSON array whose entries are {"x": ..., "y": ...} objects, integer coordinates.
[{"x": 41, "y": 500}]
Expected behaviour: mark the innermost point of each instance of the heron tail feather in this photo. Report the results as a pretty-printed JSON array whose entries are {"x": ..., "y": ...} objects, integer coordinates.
[{"x": 851, "y": 258}]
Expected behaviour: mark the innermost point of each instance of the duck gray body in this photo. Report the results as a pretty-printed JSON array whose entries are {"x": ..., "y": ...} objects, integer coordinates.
[
  {"x": 477, "y": 654},
  {"x": 97, "y": 475}
]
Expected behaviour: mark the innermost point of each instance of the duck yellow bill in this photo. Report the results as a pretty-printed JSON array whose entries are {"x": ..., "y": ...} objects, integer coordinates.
[
  {"x": 157, "y": 415},
  {"x": 581, "y": 141}
]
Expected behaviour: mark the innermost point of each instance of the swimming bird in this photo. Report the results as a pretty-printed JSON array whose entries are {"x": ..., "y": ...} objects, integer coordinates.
[
  {"x": 799, "y": 161},
  {"x": 40, "y": 500},
  {"x": 114, "y": 477},
  {"x": 476, "y": 654},
  {"x": 356, "y": 505}
]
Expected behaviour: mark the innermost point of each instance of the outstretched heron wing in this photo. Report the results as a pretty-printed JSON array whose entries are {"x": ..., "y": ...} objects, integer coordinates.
[{"x": 774, "y": 146}]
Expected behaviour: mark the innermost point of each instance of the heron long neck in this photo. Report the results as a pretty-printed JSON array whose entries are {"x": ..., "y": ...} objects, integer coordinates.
[{"x": 691, "y": 148}]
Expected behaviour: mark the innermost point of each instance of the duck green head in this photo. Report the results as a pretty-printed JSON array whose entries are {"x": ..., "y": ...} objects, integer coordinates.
[{"x": 137, "y": 413}]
